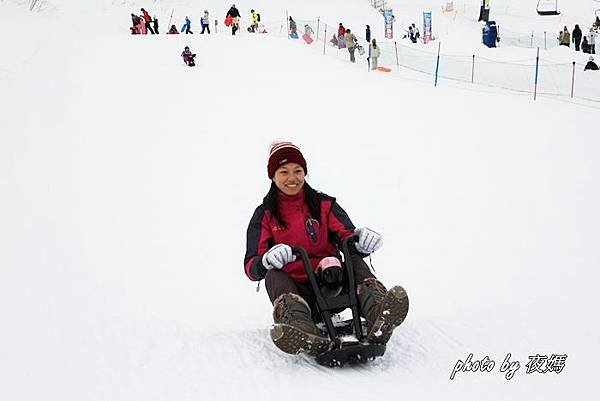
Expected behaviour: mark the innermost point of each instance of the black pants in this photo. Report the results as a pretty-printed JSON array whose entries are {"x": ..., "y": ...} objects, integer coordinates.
[
  {"x": 279, "y": 282},
  {"x": 187, "y": 30},
  {"x": 577, "y": 43},
  {"x": 149, "y": 28},
  {"x": 205, "y": 27}
]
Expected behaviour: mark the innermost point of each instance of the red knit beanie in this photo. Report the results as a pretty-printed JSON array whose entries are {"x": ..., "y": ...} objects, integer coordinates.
[{"x": 282, "y": 153}]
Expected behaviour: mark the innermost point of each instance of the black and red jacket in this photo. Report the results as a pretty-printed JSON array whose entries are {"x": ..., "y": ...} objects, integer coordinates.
[{"x": 319, "y": 239}]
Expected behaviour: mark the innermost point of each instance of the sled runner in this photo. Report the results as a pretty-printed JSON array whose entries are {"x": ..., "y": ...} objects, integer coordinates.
[{"x": 335, "y": 291}]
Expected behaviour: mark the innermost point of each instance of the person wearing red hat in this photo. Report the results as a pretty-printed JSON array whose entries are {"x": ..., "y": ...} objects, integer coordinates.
[{"x": 294, "y": 214}]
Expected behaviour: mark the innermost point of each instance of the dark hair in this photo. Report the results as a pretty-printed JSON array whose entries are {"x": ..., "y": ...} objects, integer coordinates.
[{"x": 313, "y": 200}]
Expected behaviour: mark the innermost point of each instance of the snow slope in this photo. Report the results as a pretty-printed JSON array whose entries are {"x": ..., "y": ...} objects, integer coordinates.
[{"x": 127, "y": 181}]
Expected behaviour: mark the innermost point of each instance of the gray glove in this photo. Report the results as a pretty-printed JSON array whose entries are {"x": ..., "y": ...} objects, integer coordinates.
[
  {"x": 278, "y": 256},
  {"x": 368, "y": 240}
]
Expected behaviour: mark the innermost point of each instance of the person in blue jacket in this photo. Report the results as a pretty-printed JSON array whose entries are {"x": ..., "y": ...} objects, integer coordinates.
[{"x": 187, "y": 27}]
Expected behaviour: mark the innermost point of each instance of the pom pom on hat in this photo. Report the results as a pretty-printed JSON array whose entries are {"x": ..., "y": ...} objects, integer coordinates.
[{"x": 281, "y": 153}]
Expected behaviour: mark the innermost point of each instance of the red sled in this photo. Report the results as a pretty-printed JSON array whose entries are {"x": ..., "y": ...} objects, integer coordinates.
[
  {"x": 307, "y": 39},
  {"x": 228, "y": 20}
]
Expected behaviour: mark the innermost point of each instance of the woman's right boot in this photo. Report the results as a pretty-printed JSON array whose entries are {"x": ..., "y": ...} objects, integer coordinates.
[{"x": 294, "y": 331}]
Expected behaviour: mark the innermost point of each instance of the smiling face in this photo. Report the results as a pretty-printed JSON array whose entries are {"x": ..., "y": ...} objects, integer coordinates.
[{"x": 289, "y": 178}]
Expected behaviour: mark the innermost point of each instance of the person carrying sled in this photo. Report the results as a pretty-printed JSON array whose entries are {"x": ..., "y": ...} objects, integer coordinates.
[
  {"x": 294, "y": 214},
  {"x": 188, "y": 57},
  {"x": 205, "y": 22},
  {"x": 234, "y": 14},
  {"x": 374, "y": 53},
  {"x": 350, "y": 42}
]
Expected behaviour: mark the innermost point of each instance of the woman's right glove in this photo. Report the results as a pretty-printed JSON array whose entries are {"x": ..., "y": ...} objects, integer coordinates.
[{"x": 278, "y": 256}]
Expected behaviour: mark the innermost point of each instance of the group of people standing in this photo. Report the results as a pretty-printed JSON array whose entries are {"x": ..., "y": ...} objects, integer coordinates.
[
  {"x": 586, "y": 43},
  {"x": 144, "y": 23}
]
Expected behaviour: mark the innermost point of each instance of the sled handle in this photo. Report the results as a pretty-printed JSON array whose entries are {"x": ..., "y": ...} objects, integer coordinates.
[
  {"x": 321, "y": 303},
  {"x": 353, "y": 239}
]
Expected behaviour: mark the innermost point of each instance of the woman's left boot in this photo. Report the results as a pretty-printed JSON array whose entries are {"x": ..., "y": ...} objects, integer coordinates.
[{"x": 384, "y": 310}]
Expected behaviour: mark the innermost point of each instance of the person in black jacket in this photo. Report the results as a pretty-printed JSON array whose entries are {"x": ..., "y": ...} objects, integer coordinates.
[
  {"x": 368, "y": 34},
  {"x": 577, "y": 37},
  {"x": 155, "y": 23},
  {"x": 591, "y": 65},
  {"x": 235, "y": 15}
]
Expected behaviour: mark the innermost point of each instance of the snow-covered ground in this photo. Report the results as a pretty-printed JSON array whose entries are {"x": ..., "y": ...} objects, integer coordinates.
[{"x": 127, "y": 181}]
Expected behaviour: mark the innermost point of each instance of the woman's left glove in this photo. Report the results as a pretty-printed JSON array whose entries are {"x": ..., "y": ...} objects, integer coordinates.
[{"x": 368, "y": 240}]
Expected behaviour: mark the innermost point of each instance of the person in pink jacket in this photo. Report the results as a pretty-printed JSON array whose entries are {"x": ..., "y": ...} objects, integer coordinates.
[
  {"x": 142, "y": 26},
  {"x": 293, "y": 214}
]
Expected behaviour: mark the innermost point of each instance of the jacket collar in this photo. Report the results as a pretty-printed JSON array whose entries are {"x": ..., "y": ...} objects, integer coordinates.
[{"x": 281, "y": 197}]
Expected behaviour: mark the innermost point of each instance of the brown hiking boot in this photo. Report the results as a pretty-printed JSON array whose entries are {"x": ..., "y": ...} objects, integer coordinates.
[
  {"x": 294, "y": 330},
  {"x": 384, "y": 310}
]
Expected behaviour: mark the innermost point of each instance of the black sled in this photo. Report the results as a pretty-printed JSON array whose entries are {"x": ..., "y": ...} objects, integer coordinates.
[
  {"x": 191, "y": 62},
  {"x": 335, "y": 291}
]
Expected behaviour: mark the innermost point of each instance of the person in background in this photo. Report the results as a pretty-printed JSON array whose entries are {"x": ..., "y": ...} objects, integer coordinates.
[
  {"x": 255, "y": 20},
  {"x": 591, "y": 65},
  {"x": 187, "y": 27},
  {"x": 235, "y": 16},
  {"x": 188, "y": 57},
  {"x": 585, "y": 46},
  {"x": 564, "y": 37},
  {"x": 577, "y": 37},
  {"x": 142, "y": 26},
  {"x": 293, "y": 28},
  {"x": 147, "y": 21},
  {"x": 592, "y": 40},
  {"x": 340, "y": 37},
  {"x": 413, "y": 32},
  {"x": 155, "y": 23},
  {"x": 205, "y": 22},
  {"x": 368, "y": 34},
  {"x": 173, "y": 30},
  {"x": 135, "y": 21},
  {"x": 374, "y": 53},
  {"x": 334, "y": 40},
  {"x": 350, "y": 42}
]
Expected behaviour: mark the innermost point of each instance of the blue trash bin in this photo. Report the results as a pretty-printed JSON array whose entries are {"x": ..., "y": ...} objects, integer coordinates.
[{"x": 490, "y": 34}]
